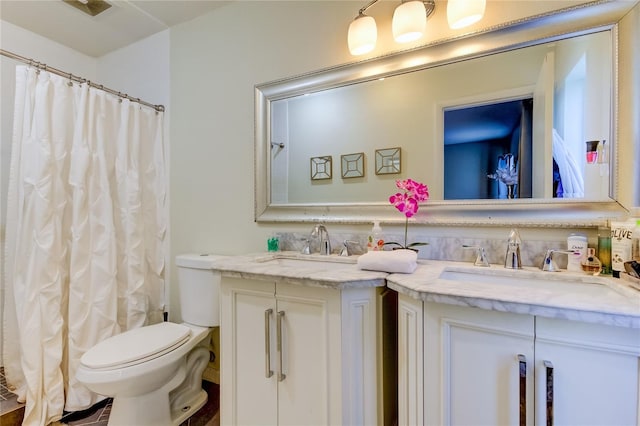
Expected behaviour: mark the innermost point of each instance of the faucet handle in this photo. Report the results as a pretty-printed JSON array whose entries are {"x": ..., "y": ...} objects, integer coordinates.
[
  {"x": 549, "y": 264},
  {"x": 350, "y": 247},
  {"x": 306, "y": 248},
  {"x": 481, "y": 256}
]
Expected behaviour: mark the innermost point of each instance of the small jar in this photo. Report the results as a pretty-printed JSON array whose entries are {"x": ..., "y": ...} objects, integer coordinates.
[{"x": 591, "y": 264}]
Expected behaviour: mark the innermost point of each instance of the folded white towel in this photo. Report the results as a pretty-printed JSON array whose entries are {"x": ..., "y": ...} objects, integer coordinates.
[{"x": 404, "y": 261}]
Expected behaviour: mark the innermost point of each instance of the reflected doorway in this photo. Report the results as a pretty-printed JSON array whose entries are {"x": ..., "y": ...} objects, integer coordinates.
[{"x": 488, "y": 150}]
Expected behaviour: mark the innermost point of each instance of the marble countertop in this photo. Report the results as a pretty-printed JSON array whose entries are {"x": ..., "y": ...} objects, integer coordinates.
[
  {"x": 564, "y": 295},
  {"x": 291, "y": 267}
]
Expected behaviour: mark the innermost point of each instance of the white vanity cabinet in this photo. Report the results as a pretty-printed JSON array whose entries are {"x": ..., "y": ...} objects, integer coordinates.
[
  {"x": 485, "y": 367},
  {"x": 294, "y": 355},
  {"x": 596, "y": 372}
]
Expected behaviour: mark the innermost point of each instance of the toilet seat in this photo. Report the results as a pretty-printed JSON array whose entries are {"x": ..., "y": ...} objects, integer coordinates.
[{"x": 136, "y": 346}]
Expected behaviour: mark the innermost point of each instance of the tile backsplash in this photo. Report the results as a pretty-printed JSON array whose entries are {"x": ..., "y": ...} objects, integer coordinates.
[{"x": 441, "y": 248}]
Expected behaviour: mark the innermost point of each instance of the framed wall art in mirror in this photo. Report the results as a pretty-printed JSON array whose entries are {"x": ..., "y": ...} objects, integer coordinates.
[
  {"x": 522, "y": 54},
  {"x": 352, "y": 165},
  {"x": 388, "y": 161},
  {"x": 321, "y": 167}
]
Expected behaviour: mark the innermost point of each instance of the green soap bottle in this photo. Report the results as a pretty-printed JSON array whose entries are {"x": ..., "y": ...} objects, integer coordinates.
[{"x": 604, "y": 249}]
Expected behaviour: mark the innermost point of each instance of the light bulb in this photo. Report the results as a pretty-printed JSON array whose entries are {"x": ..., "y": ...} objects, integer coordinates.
[
  {"x": 409, "y": 21},
  {"x": 462, "y": 13},
  {"x": 363, "y": 35}
]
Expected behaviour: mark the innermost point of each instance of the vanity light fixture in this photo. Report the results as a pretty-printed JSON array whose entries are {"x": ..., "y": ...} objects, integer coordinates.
[
  {"x": 363, "y": 33},
  {"x": 410, "y": 21},
  {"x": 462, "y": 13}
]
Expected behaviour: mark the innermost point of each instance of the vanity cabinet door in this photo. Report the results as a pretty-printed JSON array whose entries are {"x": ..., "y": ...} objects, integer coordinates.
[
  {"x": 589, "y": 371},
  {"x": 248, "y": 388},
  {"x": 478, "y": 366},
  {"x": 281, "y": 354},
  {"x": 309, "y": 329}
]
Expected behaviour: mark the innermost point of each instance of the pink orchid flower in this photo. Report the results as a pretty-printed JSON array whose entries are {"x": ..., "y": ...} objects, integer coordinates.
[{"x": 407, "y": 202}]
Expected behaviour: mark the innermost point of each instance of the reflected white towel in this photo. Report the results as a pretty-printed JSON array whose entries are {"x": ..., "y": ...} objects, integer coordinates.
[
  {"x": 404, "y": 261},
  {"x": 570, "y": 173}
]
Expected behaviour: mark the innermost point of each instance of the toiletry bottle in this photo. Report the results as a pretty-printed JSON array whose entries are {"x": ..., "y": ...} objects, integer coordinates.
[
  {"x": 621, "y": 244},
  {"x": 603, "y": 153},
  {"x": 592, "y": 151},
  {"x": 577, "y": 243},
  {"x": 375, "y": 241},
  {"x": 635, "y": 242},
  {"x": 590, "y": 263},
  {"x": 604, "y": 249},
  {"x": 273, "y": 243}
]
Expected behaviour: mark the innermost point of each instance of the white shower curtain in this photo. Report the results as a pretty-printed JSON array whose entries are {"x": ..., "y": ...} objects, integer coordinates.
[{"x": 86, "y": 224}]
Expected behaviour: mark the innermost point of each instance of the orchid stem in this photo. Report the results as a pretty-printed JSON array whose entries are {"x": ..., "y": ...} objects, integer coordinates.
[{"x": 406, "y": 225}]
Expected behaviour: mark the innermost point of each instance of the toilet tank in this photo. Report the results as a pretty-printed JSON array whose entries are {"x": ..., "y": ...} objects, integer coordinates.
[{"x": 199, "y": 289}]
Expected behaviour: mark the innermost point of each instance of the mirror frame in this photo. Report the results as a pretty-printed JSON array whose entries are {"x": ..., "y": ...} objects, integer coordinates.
[{"x": 577, "y": 20}]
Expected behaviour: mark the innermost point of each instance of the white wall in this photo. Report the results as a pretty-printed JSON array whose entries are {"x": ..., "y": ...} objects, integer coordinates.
[{"x": 141, "y": 69}]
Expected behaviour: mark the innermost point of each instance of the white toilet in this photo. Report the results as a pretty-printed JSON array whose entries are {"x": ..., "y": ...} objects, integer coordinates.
[{"x": 154, "y": 373}]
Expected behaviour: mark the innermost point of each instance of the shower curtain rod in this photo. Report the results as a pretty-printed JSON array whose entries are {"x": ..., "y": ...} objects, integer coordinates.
[{"x": 77, "y": 79}]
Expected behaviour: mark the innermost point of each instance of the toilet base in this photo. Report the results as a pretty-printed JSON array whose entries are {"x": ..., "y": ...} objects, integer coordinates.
[
  {"x": 171, "y": 404},
  {"x": 151, "y": 409},
  {"x": 157, "y": 413},
  {"x": 197, "y": 404}
]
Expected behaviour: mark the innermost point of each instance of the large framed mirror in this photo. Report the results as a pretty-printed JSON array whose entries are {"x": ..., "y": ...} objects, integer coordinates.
[{"x": 541, "y": 105}]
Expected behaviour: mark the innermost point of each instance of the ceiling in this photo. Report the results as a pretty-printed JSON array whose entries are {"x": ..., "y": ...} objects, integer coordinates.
[
  {"x": 126, "y": 22},
  {"x": 481, "y": 123}
]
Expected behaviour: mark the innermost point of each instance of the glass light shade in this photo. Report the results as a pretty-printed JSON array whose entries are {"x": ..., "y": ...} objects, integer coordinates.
[
  {"x": 409, "y": 21},
  {"x": 462, "y": 13},
  {"x": 363, "y": 35}
]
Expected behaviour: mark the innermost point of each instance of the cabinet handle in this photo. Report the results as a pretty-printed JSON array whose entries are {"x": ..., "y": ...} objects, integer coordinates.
[
  {"x": 522, "y": 368},
  {"x": 549, "y": 366},
  {"x": 267, "y": 343},
  {"x": 281, "y": 375}
]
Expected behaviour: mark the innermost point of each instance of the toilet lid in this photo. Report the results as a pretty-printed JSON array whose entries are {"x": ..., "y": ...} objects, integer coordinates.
[{"x": 135, "y": 345}]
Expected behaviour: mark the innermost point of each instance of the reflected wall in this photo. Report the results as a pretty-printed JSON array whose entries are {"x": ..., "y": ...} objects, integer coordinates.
[{"x": 407, "y": 111}]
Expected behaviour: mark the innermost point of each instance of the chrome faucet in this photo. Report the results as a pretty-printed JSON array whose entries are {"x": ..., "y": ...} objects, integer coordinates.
[
  {"x": 550, "y": 265},
  {"x": 512, "y": 259},
  {"x": 320, "y": 232}
]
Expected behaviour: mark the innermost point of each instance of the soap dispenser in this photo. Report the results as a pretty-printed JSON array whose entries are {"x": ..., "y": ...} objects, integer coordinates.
[
  {"x": 512, "y": 258},
  {"x": 375, "y": 241}
]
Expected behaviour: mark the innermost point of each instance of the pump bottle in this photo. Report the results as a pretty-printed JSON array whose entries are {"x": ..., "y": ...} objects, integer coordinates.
[{"x": 375, "y": 241}]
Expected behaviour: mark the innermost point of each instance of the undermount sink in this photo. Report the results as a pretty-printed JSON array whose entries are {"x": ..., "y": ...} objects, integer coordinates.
[
  {"x": 511, "y": 277},
  {"x": 307, "y": 260},
  {"x": 532, "y": 279}
]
